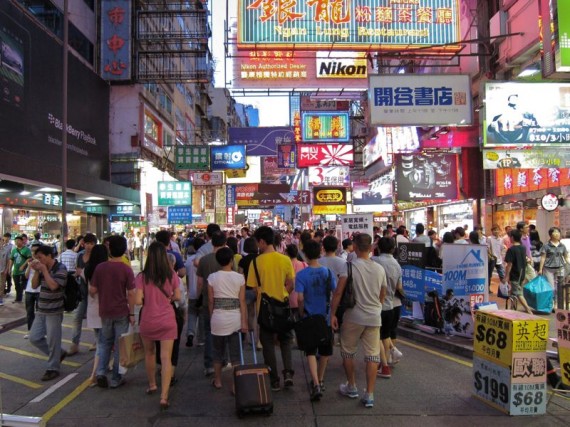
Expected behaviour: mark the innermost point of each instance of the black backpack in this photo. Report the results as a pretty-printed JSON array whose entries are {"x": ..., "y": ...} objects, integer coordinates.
[{"x": 71, "y": 293}]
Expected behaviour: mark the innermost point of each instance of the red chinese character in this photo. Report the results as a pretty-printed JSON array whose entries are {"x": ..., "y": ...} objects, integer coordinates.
[
  {"x": 384, "y": 14},
  {"x": 405, "y": 15},
  {"x": 116, "y": 68},
  {"x": 444, "y": 15},
  {"x": 115, "y": 43},
  {"x": 116, "y": 15},
  {"x": 424, "y": 15},
  {"x": 362, "y": 14},
  {"x": 282, "y": 8}
]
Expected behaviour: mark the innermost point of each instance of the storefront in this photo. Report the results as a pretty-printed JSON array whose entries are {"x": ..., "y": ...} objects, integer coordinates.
[{"x": 455, "y": 215}]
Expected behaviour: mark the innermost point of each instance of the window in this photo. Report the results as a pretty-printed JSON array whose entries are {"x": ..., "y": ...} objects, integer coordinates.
[{"x": 152, "y": 129}]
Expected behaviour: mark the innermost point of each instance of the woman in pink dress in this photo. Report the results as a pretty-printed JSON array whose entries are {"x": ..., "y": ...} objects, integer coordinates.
[{"x": 157, "y": 287}]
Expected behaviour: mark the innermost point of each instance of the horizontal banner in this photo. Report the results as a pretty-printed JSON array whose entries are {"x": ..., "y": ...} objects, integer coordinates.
[
  {"x": 325, "y": 155},
  {"x": 515, "y": 181},
  {"x": 526, "y": 159},
  {"x": 329, "y": 176},
  {"x": 208, "y": 178}
]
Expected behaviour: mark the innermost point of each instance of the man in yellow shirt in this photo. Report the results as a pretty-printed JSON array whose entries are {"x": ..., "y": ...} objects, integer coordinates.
[{"x": 276, "y": 280}]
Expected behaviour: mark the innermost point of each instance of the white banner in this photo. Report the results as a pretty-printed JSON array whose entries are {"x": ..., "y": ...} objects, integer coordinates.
[
  {"x": 208, "y": 178},
  {"x": 420, "y": 99},
  {"x": 357, "y": 223},
  {"x": 329, "y": 176}
]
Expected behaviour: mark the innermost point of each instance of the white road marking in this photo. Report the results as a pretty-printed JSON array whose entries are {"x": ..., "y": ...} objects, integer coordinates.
[{"x": 53, "y": 388}]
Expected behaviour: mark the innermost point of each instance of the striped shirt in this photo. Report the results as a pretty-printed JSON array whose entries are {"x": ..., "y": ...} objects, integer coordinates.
[
  {"x": 69, "y": 259},
  {"x": 51, "y": 301}
]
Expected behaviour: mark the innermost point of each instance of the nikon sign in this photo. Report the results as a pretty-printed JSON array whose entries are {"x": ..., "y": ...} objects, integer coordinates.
[{"x": 349, "y": 67}]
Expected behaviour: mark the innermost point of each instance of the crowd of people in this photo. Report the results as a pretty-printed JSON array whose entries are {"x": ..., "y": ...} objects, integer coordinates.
[{"x": 214, "y": 284}]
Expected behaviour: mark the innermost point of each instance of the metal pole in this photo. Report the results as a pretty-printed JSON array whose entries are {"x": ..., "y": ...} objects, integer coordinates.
[{"x": 64, "y": 230}]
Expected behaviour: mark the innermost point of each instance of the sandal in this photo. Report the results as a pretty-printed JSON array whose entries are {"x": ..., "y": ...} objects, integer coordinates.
[
  {"x": 151, "y": 390},
  {"x": 216, "y": 386},
  {"x": 164, "y": 405}
]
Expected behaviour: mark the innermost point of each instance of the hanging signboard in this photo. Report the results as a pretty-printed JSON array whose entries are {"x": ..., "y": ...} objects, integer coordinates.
[
  {"x": 361, "y": 223},
  {"x": 329, "y": 176},
  {"x": 116, "y": 16},
  {"x": 308, "y": 104},
  {"x": 285, "y": 156},
  {"x": 208, "y": 178},
  {"x": 411, "y": 254},
  {"x": 420, "y": 99},
  {"x": 325, "y": 126},
  {"x": 192, "y": 157},
  {"x": 514, "y": 118},
  {"x": 515, "y": 181},
  {"x": 180, "y": 214},
  {"x": 526, "y": 159},
  {"x": 325, "y": 155},
  {"x": 261, "y": 141},
  {"x": 329, "y": 200},
  {"x": 375, "y": 196},
  {"x": 228, "y": 157},
  {"x": 432, "y": 25},
  {"x": 174, "y": 193}
]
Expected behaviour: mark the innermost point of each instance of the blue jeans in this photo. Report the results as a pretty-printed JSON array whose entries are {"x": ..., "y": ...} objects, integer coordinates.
[
  {"x": 80, "y": 313},
  {"x": 111, "y": 331},
  {"x": 193, "y": 314},
  {"x": 45, "y": 335}
]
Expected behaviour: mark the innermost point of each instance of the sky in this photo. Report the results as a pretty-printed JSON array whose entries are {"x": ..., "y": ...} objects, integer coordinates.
[{"x": 273, "y": 110}]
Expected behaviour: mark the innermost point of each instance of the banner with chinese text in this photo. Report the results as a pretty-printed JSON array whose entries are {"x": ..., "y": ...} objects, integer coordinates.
[
  {"x": 116, "y": 39},
  {"x": 515, "y": 181},
  {"x": 329, "y": 200}
]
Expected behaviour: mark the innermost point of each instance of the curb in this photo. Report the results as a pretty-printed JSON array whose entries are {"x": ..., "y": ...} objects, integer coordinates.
[
  {"x": 462, "y": 348},
  {"x": 12, "y": 324}
]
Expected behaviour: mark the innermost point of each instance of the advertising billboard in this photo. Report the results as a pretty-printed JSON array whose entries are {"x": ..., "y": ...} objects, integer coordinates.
[
  {"x": 426, "y": 176},
  {"x": 174, "y": 193},
  {"x": 286, "y": 155},
  {"x": 116, "y": 39},
  {"x": 252, "y": 172},
  {"x": 349, "y": 24},
  {"x": 228, "y": 157},
  {"x": 325, "y": 155},
  {"x": 31, "y": 66},
  {"x": 526, "y": 159},
  {"x": 258, "y": 69},
  {"x": 329, "y": 176},
  {"x": 375, "y": 196},
  {"x": 179, "y": 214},
  {"x": 261, "y": 141},
  {"x": 420, "y": 99},
  {"x": 309, "y": 104},
  {"x": 526, "y": 114},
  {"x": 388, "y": 141},
  {"x": 207, "y": 178},
  {"x": 562, "y": 55},
  {"x": 325, "y": 126},
  {"x": 329, "y": 200},
  {"x": 515, "y": 181}
]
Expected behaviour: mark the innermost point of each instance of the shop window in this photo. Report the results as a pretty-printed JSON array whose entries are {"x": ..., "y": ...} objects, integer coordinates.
[{"x": 153, "y": 129}]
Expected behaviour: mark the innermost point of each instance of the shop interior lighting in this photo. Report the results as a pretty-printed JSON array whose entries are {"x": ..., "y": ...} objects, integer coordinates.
[
  {"x": 25, "y": 193},
  {"x": 48, "y": 189},
  {"x": 530, "y": 70},
  {"x": 94, "y": 198}
]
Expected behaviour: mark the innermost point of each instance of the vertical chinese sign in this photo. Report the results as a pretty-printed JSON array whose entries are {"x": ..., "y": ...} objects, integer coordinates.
[{"x": 116, "y": 17}]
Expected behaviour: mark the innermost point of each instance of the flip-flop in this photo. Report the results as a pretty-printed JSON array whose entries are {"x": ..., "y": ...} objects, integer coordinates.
[
  {"x": 151, "y": 390},
  {"x": 217, "y": 387}
]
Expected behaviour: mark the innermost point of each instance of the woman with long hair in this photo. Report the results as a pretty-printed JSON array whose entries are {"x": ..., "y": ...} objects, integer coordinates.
[
  {"x": 99, "y": 254},
  {"x": 157, "y": 287}
]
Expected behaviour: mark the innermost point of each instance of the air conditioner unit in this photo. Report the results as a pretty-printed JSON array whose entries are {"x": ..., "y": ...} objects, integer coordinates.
[{"x": 498, "y": 26}]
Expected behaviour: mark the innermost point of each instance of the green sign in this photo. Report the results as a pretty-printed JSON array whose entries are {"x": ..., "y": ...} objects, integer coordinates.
[
  {"x": 53, "y": 199},
  {"x": 94, "y": 209},
  {"x": 126, "y": 218},
  {"x": 174, "y": 193},
  {"x": 193, "y": 157},
  {"x": 563, "y": 42}
]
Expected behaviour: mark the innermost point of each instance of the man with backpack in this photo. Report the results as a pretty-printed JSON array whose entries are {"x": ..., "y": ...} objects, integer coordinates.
[{"x": 51, "y": 277}]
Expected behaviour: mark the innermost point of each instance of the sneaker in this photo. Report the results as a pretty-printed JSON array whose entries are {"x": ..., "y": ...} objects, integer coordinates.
[
  {"x": 396, "y": 355},
  {"x": 50, "y": 375},
  {"x": 208, "y": 372},
  {"x": 348, "y": 391},
  {"x": 190, "y": 341},
  {"x": 384, "y": 372},
  {"x": 288, "y": 379},
  {"x": 102, "y": 381},
  {"x": 316, "y": 393},
  {"x": 117, "y": 383},
  {"x": 367, "y": 400},
  {"x": 275, "y": 385}
]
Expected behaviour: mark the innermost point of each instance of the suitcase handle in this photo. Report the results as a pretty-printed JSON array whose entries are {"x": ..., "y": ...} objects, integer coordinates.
[{"x": 252, "y": 345}]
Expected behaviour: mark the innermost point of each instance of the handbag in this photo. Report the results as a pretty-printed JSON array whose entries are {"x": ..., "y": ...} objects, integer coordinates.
[
  {"x": 131, "y": 350},
  {"x": 274, "y": 315},
  {"x": 348, "y": 300},
  {"x": 503, "y": 290},
  {"x": 313, "y": 330},
  {"x": 530, "y": 273}
]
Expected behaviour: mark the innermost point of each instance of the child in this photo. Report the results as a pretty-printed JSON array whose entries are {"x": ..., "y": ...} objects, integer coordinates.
[{"x": 228, "y": 313}]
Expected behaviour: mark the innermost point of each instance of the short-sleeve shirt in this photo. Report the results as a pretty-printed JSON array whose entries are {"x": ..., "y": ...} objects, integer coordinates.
[
  {"x": 368, "y": 278},
  {"x": 19, "y": 257},
  {"x": 206, "y": 266},
  {"x": 312, "y": 283},
  {"x": 225, "y": 284},
  {"x": 516, "y": 255},
  {"x": 555, "y": 255},
  {"x": 179, "y": 260},
  {"x": 393, "y": 276},
  {"x": 51, "y": 301},
  {"x": 336, "y": 264},
  {"x": 113, "y": 279},
  {"x": 274, "y": 269}
]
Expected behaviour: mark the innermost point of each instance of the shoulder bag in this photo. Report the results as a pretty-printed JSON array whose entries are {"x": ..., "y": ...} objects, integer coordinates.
[
  {"x": 348, "y": 300},
  {"x": 274, "y": 315}
]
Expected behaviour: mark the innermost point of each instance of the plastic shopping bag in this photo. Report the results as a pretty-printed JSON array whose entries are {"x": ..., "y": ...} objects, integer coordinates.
[
  {"x": 539, "y": 294},
  {"x": 131, "y": 350}
]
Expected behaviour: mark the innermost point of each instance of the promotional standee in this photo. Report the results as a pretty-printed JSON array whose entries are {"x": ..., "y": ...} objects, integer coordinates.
[
  {"x": 509, "y": 363},
  {"x": 563, "y": 336}
]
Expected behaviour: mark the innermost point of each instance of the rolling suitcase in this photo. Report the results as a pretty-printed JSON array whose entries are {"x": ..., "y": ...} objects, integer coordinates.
[{"x": 252, "y": 385}]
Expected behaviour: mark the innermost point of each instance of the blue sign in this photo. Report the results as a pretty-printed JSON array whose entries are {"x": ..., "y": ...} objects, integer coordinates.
[
  {"x": 180, "y": 214},
  {"x": 261, "y": 141},
  {"x": 230, "y": 195},
  {"x": 116, "y": 39},
  {"x": 413, "y": 283},
  {"x": 433, "y": 281},
  {"x": 228, "y": 157}
]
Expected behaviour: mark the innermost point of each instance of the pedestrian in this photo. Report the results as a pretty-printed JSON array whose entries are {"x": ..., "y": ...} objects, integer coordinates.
[
  {"x": 18, "y": 257},
  {"x": 524, "y": 228},
  {"x": 421, "y": 237},
  {"x": 361, "y": 322},
  {"x": 98, "y": 255},
  {"x": 32, "y": 294},
  {"x": 336, "y": 264},
  {"x": 516, "y": 261},
  {"x": 157, "y": 286},
  {"x": 553, "y": 258},
  {"x": 45, "y": 335},
  {"x": 276, "y": 280},
  {"x": 314, "y": 286},
  {"x": 114, "y": 283},
  {"x": 194, "y": 307},
  {"x": 208, "y": 248},
  {"x": 228, "y": 312},
  {"x": 5, "y": 279},
  {"x": 497, "y": 249},
  {"x": 292, "y": 252},
  {"x": 347, "y": 248},
  {"x": 251, "y": 251}
]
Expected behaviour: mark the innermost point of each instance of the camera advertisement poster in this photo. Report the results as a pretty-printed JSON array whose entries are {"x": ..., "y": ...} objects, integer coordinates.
[{"x": 426, "y": 176}]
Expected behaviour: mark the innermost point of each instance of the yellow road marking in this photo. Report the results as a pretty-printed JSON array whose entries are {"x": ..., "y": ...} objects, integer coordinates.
[
  {"x": 37, "y": 356},
  {"x": 65, "y": 401},
  {"x": 18, "y": 380},
  {"x": 436, "y": 353},
  {"x": 63, "y": 340}
]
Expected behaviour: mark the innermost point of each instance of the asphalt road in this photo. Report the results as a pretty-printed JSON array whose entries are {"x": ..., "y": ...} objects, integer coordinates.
[{"x": 428, "y": 388}]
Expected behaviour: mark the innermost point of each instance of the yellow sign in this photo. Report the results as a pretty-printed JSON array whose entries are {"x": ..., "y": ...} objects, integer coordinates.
[
  {"x": 500, "y": 334},
  {"x": 329, "y": 210},
  {"x": 250, "y": 202},
  {"x": 235, "y": 173},
  {"x": 564, "y": 356}
]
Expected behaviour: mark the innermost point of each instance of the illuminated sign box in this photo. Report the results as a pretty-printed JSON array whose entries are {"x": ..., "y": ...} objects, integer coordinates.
[
  {"x": 349, "y": 25},
  {"x": 228, "y": 157},
  {"x": 526, "y": 114},
  {"x": 325, "y": 155},
  {"x": 323, "y": 126}
]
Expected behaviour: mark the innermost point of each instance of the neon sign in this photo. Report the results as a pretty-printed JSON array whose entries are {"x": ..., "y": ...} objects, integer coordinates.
[{"x": 321, "y": 126}]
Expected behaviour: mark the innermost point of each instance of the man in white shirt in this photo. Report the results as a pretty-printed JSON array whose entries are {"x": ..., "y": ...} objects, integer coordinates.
[
  {"x": 498, "y": 249},
  {"x": 400, "y": 235},
  {"x": 420, "y": 236}
]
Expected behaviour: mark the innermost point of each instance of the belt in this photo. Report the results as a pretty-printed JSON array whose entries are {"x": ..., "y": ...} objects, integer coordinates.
[{"x": 226, "y": 304}]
